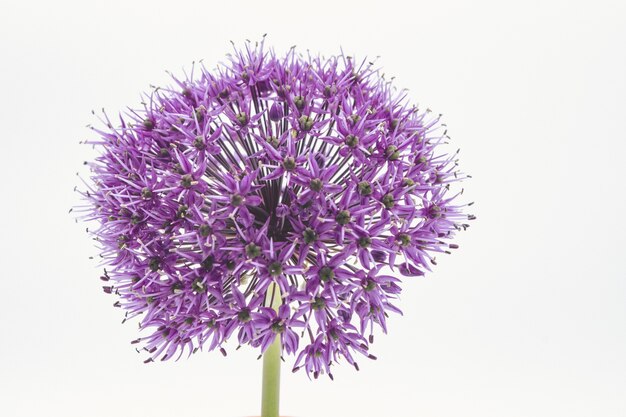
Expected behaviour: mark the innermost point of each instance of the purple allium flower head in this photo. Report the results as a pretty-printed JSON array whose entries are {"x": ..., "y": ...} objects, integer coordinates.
[{"x": 310, "y": 173}]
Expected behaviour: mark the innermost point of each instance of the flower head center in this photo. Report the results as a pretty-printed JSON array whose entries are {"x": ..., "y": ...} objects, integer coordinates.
[
  {"x": 146, "y": 194},
  {"x": 392, "y": 152},
  {"x": 205, "y": 230},
  {"x": 318, "y": 303},
  {"x": 365, "y": 242},
  {"x": 154, "y": 264},
  {"x": 289, "y": 163},
  {"x": 326, "y": 273},
  {"x": 277, "y": 326},
  {"x": 181, "y": 212},
  {"x": 242, "y": 118},
  {"x": 369, "y": 285},
  {"x": 207, "y": 263},
  {"x": 434, "y": 212},
  {"x": 306, "y": 123},
  {"x": 316, "y": 185},
  {"x": 273, "y": 140},
  {"x": 404, "y": 239},
  {"x": 198, "y": 286},
  {"x": 148, "y": 124},
  {"x": 186, "y": 181},
  {"x": 275, "y": 269},
  {"x": 198, "y": 143},
  {"x": 352, "y": 141},
  {"x": 298, "y": 101},
  {"x": 364, "y": 188},
  {"x": 252, "y": 250},
  {"x": 236, "y": 200},
  {"x": 309, "y": 235},
  {"x": 343, "y": 217},
  {"x": 244, "y": 315},
  {"x": 388, "y": 201}
]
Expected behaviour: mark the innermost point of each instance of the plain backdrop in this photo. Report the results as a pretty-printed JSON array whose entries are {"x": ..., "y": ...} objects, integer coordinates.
[{"x": 527, "y": 318}]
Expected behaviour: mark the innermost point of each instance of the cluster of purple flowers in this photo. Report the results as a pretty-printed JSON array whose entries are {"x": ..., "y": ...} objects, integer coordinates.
[{"x": 303, "y": 178}]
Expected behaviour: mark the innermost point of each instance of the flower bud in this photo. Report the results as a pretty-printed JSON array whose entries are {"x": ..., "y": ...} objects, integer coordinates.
[{"x": 276, "y": 112}]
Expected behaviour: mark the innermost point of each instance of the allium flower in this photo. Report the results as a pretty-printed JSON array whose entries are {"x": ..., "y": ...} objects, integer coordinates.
[{"x": 300, "y": 179}]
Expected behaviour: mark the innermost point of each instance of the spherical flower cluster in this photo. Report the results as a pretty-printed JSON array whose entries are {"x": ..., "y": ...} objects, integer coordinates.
[{"x": 301, "y": 180}]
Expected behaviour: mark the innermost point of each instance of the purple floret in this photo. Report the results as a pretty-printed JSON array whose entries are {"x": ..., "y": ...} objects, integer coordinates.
[{"x": 311, "y": 173}]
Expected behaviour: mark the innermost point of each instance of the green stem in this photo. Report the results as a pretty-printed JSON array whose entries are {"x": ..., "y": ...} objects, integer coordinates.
[{"x": 271, "y": 364}]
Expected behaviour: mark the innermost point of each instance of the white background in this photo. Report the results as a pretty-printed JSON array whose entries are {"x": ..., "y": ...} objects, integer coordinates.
[{"x": 527, "y": 318}]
